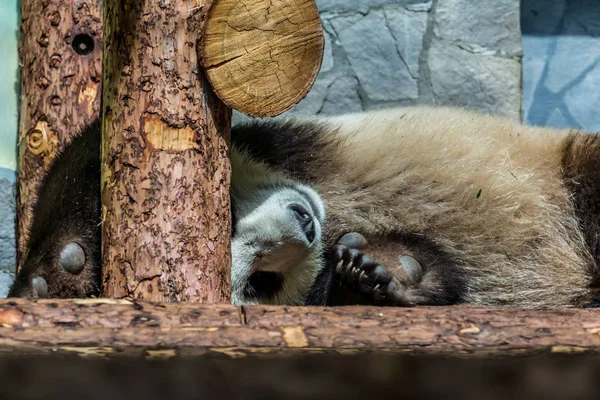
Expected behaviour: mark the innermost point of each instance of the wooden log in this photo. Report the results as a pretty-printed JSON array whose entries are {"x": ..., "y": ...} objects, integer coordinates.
[
  {"x": 165, "y": 166},
  {"x": 113, "y": 328},
  {"x": 262, "y": 56},
  {"x": 61, "y": 73}
]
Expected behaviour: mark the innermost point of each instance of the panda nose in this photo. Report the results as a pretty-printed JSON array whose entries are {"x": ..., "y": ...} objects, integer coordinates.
[{"x": 306, "y": 221}]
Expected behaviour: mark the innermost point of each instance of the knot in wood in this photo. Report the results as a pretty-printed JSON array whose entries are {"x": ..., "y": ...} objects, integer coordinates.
[{"x": 38, "y": 141}]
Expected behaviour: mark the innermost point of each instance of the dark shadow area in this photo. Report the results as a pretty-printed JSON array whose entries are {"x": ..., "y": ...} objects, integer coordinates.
[
  {"x": 543, "y": 17},
  {"x": 302, "y": 377}
]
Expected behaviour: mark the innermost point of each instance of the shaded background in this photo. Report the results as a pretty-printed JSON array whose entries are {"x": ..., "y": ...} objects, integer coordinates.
[{"x": 384, "y": 53}]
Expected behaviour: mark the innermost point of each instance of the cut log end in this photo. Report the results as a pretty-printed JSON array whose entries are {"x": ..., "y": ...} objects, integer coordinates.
[{"x": 262, "y": 56}]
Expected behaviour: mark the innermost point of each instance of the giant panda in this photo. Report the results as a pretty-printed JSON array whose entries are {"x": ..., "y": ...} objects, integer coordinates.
[
  {"x": 277, "y": 250},
  {"x": 493, "y": 211},
  {"x": 454, "y": 206}
]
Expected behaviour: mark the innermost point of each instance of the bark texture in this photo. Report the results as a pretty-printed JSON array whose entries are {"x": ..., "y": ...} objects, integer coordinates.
[
  {"x": 165, "y": 165},
  {"x": 113, "y": 328},
  {"x": 263, "y": 56},
  {"x": 61, "y": 75}
]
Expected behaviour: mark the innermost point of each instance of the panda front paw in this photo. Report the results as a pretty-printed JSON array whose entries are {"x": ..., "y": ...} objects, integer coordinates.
[{"x": 361, "y": 274}]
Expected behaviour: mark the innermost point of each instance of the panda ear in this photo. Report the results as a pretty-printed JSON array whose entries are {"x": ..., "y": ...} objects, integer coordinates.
[{"x": 315, "y": 200}]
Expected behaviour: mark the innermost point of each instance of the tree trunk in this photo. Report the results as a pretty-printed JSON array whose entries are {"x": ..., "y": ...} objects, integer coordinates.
[
  {"x": 165, "y": 166},
  {"x": 61, "y": 74},
  {"x": 114, "y": 328}
]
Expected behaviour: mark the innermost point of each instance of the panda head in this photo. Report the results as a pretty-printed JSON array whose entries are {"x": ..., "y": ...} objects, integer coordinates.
[{"x": 277, "y": 245}]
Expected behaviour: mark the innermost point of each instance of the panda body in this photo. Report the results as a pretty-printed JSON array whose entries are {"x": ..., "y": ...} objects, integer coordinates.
[
  {"x": 496, "y": 212},
  {"x": 504, "y": 214}
]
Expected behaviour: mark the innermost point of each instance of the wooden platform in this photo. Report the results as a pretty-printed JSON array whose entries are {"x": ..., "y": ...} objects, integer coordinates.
[{"x": 113, "y": 328}]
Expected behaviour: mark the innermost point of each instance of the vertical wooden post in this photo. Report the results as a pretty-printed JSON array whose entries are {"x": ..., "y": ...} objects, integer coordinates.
[
  {"x": 165, "y": 165},
  {"x": 61, "y": 74}
]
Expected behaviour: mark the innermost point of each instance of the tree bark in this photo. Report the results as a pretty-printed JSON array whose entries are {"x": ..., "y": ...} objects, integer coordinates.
[
  {"x": 114, "y": 328},
  {"x": 61, "y": 74},
  {"x": 165, "y": 166}
]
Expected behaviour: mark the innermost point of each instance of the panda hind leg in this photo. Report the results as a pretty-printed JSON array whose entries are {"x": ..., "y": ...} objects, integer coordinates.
[{"x": 397, "y": 270}]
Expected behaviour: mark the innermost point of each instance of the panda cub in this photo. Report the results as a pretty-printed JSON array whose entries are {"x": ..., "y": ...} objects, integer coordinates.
[
  {"x": 277, "y": 251},
  {"x": 495, "y": 212}
]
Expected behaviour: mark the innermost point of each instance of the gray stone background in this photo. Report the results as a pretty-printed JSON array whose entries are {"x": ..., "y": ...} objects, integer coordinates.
[{"x": 384, "y": 53}]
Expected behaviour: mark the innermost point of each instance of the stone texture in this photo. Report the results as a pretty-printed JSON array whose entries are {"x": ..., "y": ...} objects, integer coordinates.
[
  {"x": 7, "y": 225},
  {"x": 6, "y": 279},
  {"x": 491, "y": 24},
  {"x": 327, "y": 64},
  {"x": 340, "y": 6},
  {"x": 486, "y": 83},
  {"x": 373, "y": 55},
  {"x": 342, "y": 97},
  {"x": 313, "y": 102},
  {"x": 408, "y": 28}
]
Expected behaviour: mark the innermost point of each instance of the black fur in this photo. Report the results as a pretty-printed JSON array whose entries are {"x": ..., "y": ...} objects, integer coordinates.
[
  {"x": 581, "y": 175},
  {"x": 286, "y": 145},
  {"x": 442, "y": 282},
  {"x": 319, "y": 294},
  {"x": 67, "y": 210}
]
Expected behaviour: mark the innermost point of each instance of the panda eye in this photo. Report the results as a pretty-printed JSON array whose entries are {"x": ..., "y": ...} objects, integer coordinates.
[
  {"x": 306, "y": 221},
  {"x": 72, "y": 258},
  {"x": 301, "y": 213}
]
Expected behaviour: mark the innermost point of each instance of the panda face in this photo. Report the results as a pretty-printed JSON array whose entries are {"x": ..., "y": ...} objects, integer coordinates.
[{"x": 276, "y": 249}]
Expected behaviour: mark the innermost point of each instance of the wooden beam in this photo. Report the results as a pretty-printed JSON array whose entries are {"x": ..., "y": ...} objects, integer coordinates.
[
  {"x": 104, "y": 327},
  {"x": 61, "y": 74},
  {"x": 165, "y": 165}
]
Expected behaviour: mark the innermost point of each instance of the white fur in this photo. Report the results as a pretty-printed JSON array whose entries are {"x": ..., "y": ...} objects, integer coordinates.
[{"x": 268, "y": 236}]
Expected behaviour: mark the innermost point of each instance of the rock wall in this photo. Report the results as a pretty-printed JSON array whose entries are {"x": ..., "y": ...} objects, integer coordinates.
[
  {"x": 385, "y": 53},
  {"x": 8, "y": 254},
  {"x": 9, "y": 88}
]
